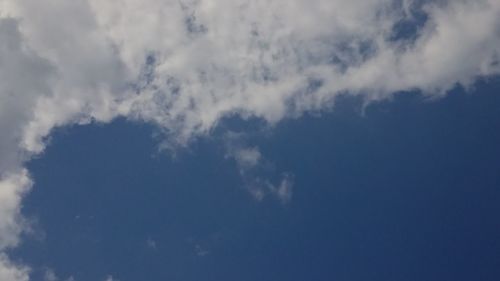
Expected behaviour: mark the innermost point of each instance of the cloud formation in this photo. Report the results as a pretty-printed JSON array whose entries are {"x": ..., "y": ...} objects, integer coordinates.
[
  {"x": 12, "y": 272},
  {"x": 183, "y": 65}
]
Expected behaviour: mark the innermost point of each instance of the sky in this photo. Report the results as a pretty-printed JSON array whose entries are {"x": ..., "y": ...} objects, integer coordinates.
[{"x": 249, "y": 140}]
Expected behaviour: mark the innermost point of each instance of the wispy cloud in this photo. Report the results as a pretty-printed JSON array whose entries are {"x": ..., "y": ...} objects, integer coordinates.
[
  {"x": 252, "y": 166},
  {"x": 184, "y": 65},
  {"x": 110, "y": 278},
  {"x": 12, "y": 272}
]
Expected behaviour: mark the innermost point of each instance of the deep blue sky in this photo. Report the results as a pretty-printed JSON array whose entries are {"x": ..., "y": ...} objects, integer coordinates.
[{"x": 409, "y": 190}]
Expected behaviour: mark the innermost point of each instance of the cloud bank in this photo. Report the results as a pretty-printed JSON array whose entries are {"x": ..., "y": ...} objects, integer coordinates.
[{"x": 185, "y": 64}]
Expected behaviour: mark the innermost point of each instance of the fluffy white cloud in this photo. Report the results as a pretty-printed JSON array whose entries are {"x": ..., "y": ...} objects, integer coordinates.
[
  {"x": 183, "y": 65},
  {"x": 12, "y": 188},
  {"x": 25, "y": 77},
  {"x": 12, "y": 272}
]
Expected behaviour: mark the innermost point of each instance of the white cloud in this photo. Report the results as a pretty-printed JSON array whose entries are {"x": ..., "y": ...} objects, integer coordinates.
[
  {"x": 200, "y": 251},
  {"x": 110, "y": 278},
  {"x": 252, "y": 165},
  {"x": 261, "y": 188},
  {"x": 183, "y": 65},
  {"x": 50, "y": 275},
  {"x": 151, "y": 244},
  {"x": 284, "y": 190},
  {"x": 12, "y": 272},
  {"x": 247, "y": 156}
]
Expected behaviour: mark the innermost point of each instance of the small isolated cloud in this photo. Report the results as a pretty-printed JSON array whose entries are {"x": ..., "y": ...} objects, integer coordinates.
[
  {"x": 247, "y": 157},
  {"x": 200, "y": 251},
  {"x": 50, "y": 275},
  {"x": 151, "y": 244},
  {"x": 284, "y": 190},
  {"x": 111, "y": 278},
  {"x": 252, "y": 167}
]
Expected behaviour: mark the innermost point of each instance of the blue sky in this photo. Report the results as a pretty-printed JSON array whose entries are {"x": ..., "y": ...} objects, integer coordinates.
[
  {"x": 249, "y": 140},
  {"x": 408, "y": 190}
]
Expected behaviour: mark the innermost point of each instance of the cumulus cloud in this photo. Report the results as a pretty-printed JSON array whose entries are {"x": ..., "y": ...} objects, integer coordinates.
[
  {"x": 25, "y": 77},
  {"x": 12, "y": 272},
  {"x": 12, "y": 188},
  {"x": 183, "y": 65}
]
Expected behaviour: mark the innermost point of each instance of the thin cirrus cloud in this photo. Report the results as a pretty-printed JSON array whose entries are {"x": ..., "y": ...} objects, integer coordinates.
[{"x": 183, "y": 65}]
